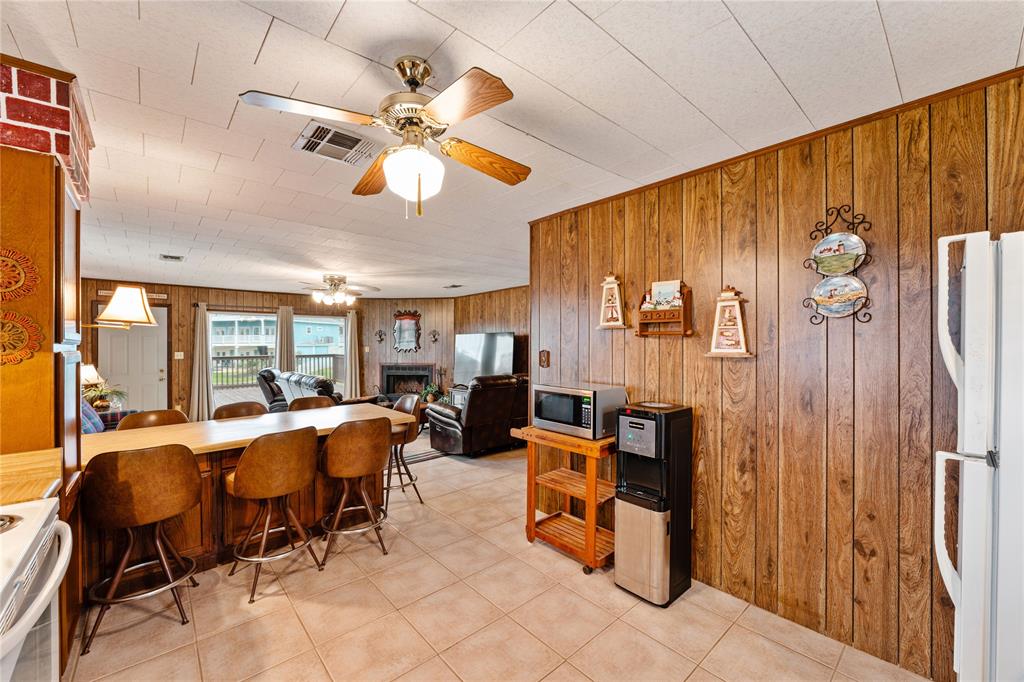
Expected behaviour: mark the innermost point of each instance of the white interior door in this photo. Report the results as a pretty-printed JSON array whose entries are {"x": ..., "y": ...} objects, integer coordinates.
[{"x": 136, "y": 361}]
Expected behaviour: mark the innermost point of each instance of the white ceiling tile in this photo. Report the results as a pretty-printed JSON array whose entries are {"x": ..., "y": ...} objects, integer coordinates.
[
  {"x": 250, "y": 170},
  {"x": 230, "y": 26},
  {"x": 284, "y": 212},
  {"x": 410, "y": 30},
  {"x": 817, "y": 72},
  {"x": 201, "y": 210},
  {"x": 251, "y": 219},
  {"x": 117, "y": 138},
  {"x": 595, "y": 8},
  {"x": 274, "y": 154},
  {"x": 324, "y": 71},
  {"x": 218, "y": 182},
  {"x": 206, "y": 136},
  {"x": 492, "y": 22},
  {"x": 131, "y": 116},
  {"x": 44, "y": 21},
  {"x": 257, "y": 191},
  {"x": 172, "y": 150},
  {"x": 154, "y": 168},
  {"x": 114, "y": 30},
  {"x": 257, "y": 122},
  {"x": 233, "y": 202},
  {"x": 224, "y": 72},
  {"x": 94, "y": 71},
  {"x": 310, "y": 184},
  {"x": 168, "y": 94},
  {"x": 941, "y": 44},
  {"x": 313, "y": 16}
]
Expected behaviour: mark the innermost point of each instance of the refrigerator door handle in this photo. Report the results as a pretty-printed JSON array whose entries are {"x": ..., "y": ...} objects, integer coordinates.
[
  {"x": 953, "y": 360},
  {"x": 949, "y": 575}
]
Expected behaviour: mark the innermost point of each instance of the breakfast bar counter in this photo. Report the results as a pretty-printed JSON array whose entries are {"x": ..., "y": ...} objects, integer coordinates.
[{"x": 208, "y": 532}]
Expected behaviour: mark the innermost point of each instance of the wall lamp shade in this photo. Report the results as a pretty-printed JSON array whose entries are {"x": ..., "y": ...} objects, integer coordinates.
[
  {"x": 128, "y": 307},
  {"x": 90, "y": 376},
  {"x": 412, "y": 173}
]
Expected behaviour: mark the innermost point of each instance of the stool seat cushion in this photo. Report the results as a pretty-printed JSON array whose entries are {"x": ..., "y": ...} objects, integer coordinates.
[{"x": 229, "y": 483}]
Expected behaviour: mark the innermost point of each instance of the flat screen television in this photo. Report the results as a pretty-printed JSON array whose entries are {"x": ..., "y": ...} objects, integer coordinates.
[{"x": 482, "y": 354}]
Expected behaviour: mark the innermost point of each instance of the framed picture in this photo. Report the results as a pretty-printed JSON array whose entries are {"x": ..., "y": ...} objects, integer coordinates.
[{"x": 666, "y": 294}]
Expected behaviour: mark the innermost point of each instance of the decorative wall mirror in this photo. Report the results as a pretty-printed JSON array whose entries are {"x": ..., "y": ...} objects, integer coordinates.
[{"x": 407, "y": 331}]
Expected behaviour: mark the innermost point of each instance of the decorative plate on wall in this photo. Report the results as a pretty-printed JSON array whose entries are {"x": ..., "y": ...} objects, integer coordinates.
[
  {"x": 18, "y": 275},
  {"x": 840, "y": 296},
  {"x": 839, "y": 253},
  {"x": 20, "y": 338}
]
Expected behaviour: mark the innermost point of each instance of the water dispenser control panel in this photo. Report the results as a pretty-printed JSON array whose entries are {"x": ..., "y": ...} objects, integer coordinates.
[{"x": 637, "y": 435}]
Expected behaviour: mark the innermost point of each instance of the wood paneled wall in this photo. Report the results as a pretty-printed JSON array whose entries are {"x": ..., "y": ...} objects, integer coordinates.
[
  {"x": 813, "y": 461},
  {"x": 505, "y": 310}
]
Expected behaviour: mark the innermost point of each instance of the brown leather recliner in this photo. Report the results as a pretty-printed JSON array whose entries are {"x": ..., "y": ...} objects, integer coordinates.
[{"x": 482, "y": 424}]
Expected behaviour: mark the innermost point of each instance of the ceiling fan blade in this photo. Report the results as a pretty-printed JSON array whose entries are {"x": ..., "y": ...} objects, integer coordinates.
[
  {"x": 298, "y": 106},
  {"x": 373, "y": 181},
  {"x": 497, "y": 166},
  {"x": 359, "y": 289},
  {"x": 474, "y": 91}
]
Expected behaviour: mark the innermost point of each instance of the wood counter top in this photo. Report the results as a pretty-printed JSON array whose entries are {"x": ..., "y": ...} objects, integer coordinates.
[
  {"x": 228, "y": 434},
  {"x": 30, "y": 475}
]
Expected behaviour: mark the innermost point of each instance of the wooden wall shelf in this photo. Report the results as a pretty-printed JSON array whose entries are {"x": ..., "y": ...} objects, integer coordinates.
[{"x": 655, "y": 322}]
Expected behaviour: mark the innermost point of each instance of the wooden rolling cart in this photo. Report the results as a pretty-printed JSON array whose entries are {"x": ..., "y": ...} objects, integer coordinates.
[{"x": 582, "y": 538}]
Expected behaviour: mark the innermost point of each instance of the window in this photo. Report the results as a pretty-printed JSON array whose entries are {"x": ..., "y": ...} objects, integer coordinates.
[
  {"x": 321, "y": 354},
  {"x": 309, "y": 330},
  {"x": 239, "y": 350}
]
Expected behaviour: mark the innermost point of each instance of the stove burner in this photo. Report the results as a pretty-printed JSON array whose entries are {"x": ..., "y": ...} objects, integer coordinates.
[{"x": 8, "y": 521}]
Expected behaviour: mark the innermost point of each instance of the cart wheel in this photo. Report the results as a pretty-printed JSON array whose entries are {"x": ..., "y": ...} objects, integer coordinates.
[{"x": 587, "y": 570}]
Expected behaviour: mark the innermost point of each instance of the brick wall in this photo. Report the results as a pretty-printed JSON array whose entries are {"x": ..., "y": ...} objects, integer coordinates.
[{"x": 40, "y": 113}]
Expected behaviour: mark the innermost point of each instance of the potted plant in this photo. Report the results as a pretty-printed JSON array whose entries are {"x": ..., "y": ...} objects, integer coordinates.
[
  {"x": 100, "y": 395},
  {"x": 431, "y": 393}
]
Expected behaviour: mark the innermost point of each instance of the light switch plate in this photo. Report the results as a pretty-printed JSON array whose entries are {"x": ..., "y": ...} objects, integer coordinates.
[
  {"x": 179, "y": 355},
  {"x": 366, "y": 349}
]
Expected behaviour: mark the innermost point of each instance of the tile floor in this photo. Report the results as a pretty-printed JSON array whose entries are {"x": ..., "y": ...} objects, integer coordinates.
[{"x": 461, "y": 595}]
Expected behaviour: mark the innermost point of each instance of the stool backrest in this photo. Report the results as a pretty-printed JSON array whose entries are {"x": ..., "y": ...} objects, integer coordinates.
[
  {"x": 132, "y": 488},
  {"x": 409, "y": 404},
  {"x": 248, "y": 408},
  {"x": 142, "y": 420},
  {"x": 277, "y": 464},
  {"x": 310, "y": 402},
  {"x": 359, "y": 448}
]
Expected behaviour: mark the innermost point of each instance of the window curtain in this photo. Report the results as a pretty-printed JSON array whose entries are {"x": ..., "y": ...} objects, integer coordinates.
[
  {"x": 201, "y": 403},
  {"x": 285, "y": 353},
  {"x": 352, "y": 356}
]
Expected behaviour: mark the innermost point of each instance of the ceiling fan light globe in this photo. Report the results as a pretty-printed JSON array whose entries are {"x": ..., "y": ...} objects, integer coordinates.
[
  {"x": 409, "y": 166},
  {"x": 318, "y": 296},
  {"x": 349, "y": 299},
  {"x": 328, "y": 299}
]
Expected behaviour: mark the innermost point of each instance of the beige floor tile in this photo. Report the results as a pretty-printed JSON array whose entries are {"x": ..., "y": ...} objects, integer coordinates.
[
  {"x": 622, "y": 652},
  {"x": 796, "y": 637},
  {"x": 381, "y": 650},
  {"x": 711, "y": 599},
  {"x": 252, "y": 647},
  {"x": 452, "y": 502},
  {"x": 405, "y": 583},
  {"x": 683, "y": 627},
  {"x": 566, "y": 673},
  {"x": 217, "y": 579},
  {"x": 562, "y": 619},
  {"x": 501, "y": 651},
  {"x": 436, "y": 533},
  {"x": 745, "y": 655},
  {"x": 412, "y": 513},
  {"x": 702, "y": 675},
  {"x": 180, "y": 665},
  {"x": 510, "y": 583},
  {"x": 306, "y": 667},
  {"x": 866, "y": 668},
  {"x": 839, "y": 677},
  {"x": 481, "y": 517},
  {"x": 116, "y": 648},
  {"x": 434, "y": 670},
  {"x": 370, "y": 559},
  {"x": 600, "y": 588},
  {"x": 342, "y": 609},
  {"x": 468, "y": 556},
  {"x": 229, "y": 607},
  {"x": 510, "y": 536},
  {"x": 161, "y": 606},
  {"x": 475, "y": 476},
  {"x": 549, "y": 560},
  {"x": 301, "y": 578},
  {"x": 449, "y": 615}
]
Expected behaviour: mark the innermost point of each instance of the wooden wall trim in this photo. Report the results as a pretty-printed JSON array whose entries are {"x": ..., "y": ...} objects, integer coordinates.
[{"x": 980, "y": 84}]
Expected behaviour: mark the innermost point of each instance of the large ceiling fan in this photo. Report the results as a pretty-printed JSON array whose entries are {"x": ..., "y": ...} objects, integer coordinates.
[
  {"x": 408, "y": 169},
  {"x": 337, "y": 289}
]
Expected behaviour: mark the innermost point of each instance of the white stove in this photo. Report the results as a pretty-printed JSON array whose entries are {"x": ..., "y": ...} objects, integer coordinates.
[{"x": 32, "y": 565}]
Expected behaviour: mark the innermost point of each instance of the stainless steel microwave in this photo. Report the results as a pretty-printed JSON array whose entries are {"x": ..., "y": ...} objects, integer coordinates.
[{"x": 585, "y": 410}]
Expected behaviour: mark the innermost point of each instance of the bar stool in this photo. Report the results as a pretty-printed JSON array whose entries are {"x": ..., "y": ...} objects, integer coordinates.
[
  {"x": 142, "y": 420},
  {"x": 248, "y": 408},
  {"x": 354, "y": 452},
  {"x": 271, "y": 468},
  {"x": 402, "y": 435},
  {"x": 310, "y": 402},
  {"x": 130, "y": 489}
]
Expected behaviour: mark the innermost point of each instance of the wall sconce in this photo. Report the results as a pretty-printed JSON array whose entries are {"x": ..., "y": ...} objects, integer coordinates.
[
  {"x": 380, "y": 335},
  {"x": 434, "y": 335}
]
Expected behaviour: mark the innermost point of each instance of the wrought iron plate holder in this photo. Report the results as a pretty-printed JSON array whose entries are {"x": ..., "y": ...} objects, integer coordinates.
[{"x": 844, "y": 218}]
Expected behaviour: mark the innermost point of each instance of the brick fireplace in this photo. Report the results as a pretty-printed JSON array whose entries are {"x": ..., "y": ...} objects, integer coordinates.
[{"x": 397, "y": 379}]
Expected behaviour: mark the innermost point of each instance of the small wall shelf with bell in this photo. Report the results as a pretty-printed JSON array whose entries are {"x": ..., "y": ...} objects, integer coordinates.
[
  {"x": 729, "y": 339},
  {"x": 836, "y": 257},
  {"x": 611, "y": 304}
]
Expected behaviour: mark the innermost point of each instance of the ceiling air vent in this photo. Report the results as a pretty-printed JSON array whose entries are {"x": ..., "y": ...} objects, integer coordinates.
[
  {"x": 171, "y": 258},
  {"x": 340, "y": 145}
]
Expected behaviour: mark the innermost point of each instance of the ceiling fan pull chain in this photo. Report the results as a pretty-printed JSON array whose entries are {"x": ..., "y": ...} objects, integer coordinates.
[{"x": 419, "y": 195}]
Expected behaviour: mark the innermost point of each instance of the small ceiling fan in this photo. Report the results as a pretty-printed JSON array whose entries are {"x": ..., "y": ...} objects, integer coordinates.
[
  {"x": 337, "y": 289},
  {"x": 408, "y": 169}
]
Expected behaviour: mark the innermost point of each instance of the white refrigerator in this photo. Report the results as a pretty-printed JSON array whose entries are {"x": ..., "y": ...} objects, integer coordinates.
[{"x": 987, "y": 367}]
